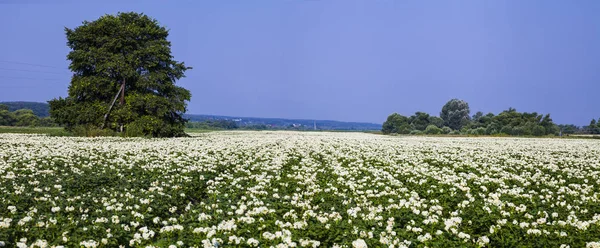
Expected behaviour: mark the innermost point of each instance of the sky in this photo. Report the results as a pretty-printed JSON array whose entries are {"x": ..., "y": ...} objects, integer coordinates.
[{"x": 338, "y": 60}]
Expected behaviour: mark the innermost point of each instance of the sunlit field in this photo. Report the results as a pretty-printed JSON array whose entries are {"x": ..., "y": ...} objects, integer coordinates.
[{"x": 298, "y": 189}]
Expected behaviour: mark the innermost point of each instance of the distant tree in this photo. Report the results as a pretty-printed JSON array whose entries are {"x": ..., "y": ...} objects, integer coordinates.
[
  {"x": 39, "y": 108},
  {"x": 437, "y": 121},
  {"x": 21, "y": 112},
  {"x": 432, "y": 129},
  {"x": 549, "y": 126},
  {"x": 446, "y": 130},
  {"x": 568, "y": 129},
  {"x": 396, "y": 123},
  {"x": 47, "y": 122},
  {"x": 7, "y": 118},
  {"x": 416, "y": 132},
  {"x": 25, "y": 117},
  {"x": 493, "y": 128},
  {"x": 455, "y": 114},
  {"x": 126, "y": 54},
  {"x": 477, "y": 115},
  {"x": 506, "y": 130},
  {"x": 593, "y": 128},
  {"x": 538, "y": 131},
  {"x": 27, "y": 120},
  {"x": 419, "y": 120},
  {"x": 3, "y": 107},
  {"x": 476, "y": 131}
]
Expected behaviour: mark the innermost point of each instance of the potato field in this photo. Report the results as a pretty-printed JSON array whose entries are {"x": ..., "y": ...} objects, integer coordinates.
[{"x": 298, "y": 189}]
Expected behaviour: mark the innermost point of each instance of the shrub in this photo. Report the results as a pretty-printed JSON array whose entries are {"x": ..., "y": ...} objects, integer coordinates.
[
  {"x": 446, "y": 130},
  {"x": 91, "y": 131},
  {"x": 432, "y": 129},
  {"x": 538, "y": 131},
  {"x": 416, "y": 132}
]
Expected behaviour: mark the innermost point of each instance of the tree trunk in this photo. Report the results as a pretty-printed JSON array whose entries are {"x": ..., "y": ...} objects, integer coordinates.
[{"x": 120, "y": 92}]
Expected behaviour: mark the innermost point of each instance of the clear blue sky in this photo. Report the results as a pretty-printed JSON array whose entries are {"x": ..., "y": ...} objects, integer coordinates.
[{"x": 339, "y": 60}]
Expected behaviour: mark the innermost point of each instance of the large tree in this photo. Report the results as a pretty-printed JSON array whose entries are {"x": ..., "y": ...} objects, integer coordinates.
[
  {"x": 455, "y": 114},
  {"x": 396, "y": 123},
  {"x": 419, "y": 120},
  {"x": 127, "y": 57}
]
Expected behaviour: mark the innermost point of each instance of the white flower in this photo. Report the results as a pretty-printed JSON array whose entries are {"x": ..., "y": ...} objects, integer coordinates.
[
  {"x": 593, "y": 244},
  {"x": 252, "y": 242},
  {"x": 89, "y": 243},
  {"x": 359, "y": 243}
]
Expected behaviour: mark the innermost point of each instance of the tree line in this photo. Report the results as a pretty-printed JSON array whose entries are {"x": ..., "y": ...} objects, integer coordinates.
[
  {"x": 22, "y": 118},
  {"x": 455, "y": 119}
]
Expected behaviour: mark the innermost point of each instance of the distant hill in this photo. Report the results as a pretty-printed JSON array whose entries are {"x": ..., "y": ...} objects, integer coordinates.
[
  {"x": 279, "y": 123},
  {"x": 40, "y": 109}
]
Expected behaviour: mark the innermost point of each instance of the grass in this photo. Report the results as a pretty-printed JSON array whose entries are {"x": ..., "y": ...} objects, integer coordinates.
[
  {"x": 59, "y": 131},
  {"x": 52, "y": 131},
  {"x": 199, "y": 130}
]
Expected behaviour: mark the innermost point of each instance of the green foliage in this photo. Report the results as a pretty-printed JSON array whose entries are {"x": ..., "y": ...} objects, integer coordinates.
[
  {"x": 213, "y": 124},
  {"x": 446, "y": 130},
  {"x": 28, "y": 119},
  {"x": 594, "y": 127},
  {"x": 455, "y": 132},
  {"x": 40, "y": 109},
  {"x": 91, "y": 131},
  {"x": 419, "y": 121},
  {"x": 7, "y": 118},
  {"x": 396, "y": 123},
  {"x": 46, "y": 122},
  {"x": 21, "y": 117},
  {"x": 568, "y": 129},
  {"x": 437, "y": 121},
  {"x": 130, "y": 48},
  {"x": 416, "y": 132},
  {"x": 538, "y": 131},
  {"x": 432, "y": 129},
  {"x": 512, "y": 122},
  {"x": 506, "y": 130},
  {"x": 4, "y": 107},
  {"x": 477, "y": 131},
  {"x": 51, "y": 131},
  {"x": 455, "y": 114}
]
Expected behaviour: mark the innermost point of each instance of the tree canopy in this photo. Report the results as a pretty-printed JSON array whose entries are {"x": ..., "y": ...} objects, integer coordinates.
[
  {"x": 125, "y": 55},
  {"x": 455, "y": 120},
  {"x": 396, "y": 123},
  {"x": 455, "y": 114},
  {"x": 39, "y": 109}
]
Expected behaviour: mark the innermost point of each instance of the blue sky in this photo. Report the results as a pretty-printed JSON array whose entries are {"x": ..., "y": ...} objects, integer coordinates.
[{"x": 339, "y": 60}]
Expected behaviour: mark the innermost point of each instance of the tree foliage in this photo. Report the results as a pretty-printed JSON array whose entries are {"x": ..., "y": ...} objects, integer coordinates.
[
  {"x": 419, "y": 121},
  {"x": 21, "y": 117},
  {"x": 213, "y": 124},
  {"x": 594, "y": 127},
  {"x": 455, "y": 114},
  {"x": 40, "y": 109},
  {"x": 433, "y": 129},
  {"x": 130, "y": 49},
  {"x": 396, "y": 123}
]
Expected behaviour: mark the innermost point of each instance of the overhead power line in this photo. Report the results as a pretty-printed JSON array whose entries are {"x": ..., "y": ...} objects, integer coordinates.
[
  {"x": 31, "y": 64},
  {"x": 49, "y": 72}
]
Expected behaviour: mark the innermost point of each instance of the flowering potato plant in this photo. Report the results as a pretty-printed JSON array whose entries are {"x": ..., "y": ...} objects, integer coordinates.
[{"x": 293, "y": 189}]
